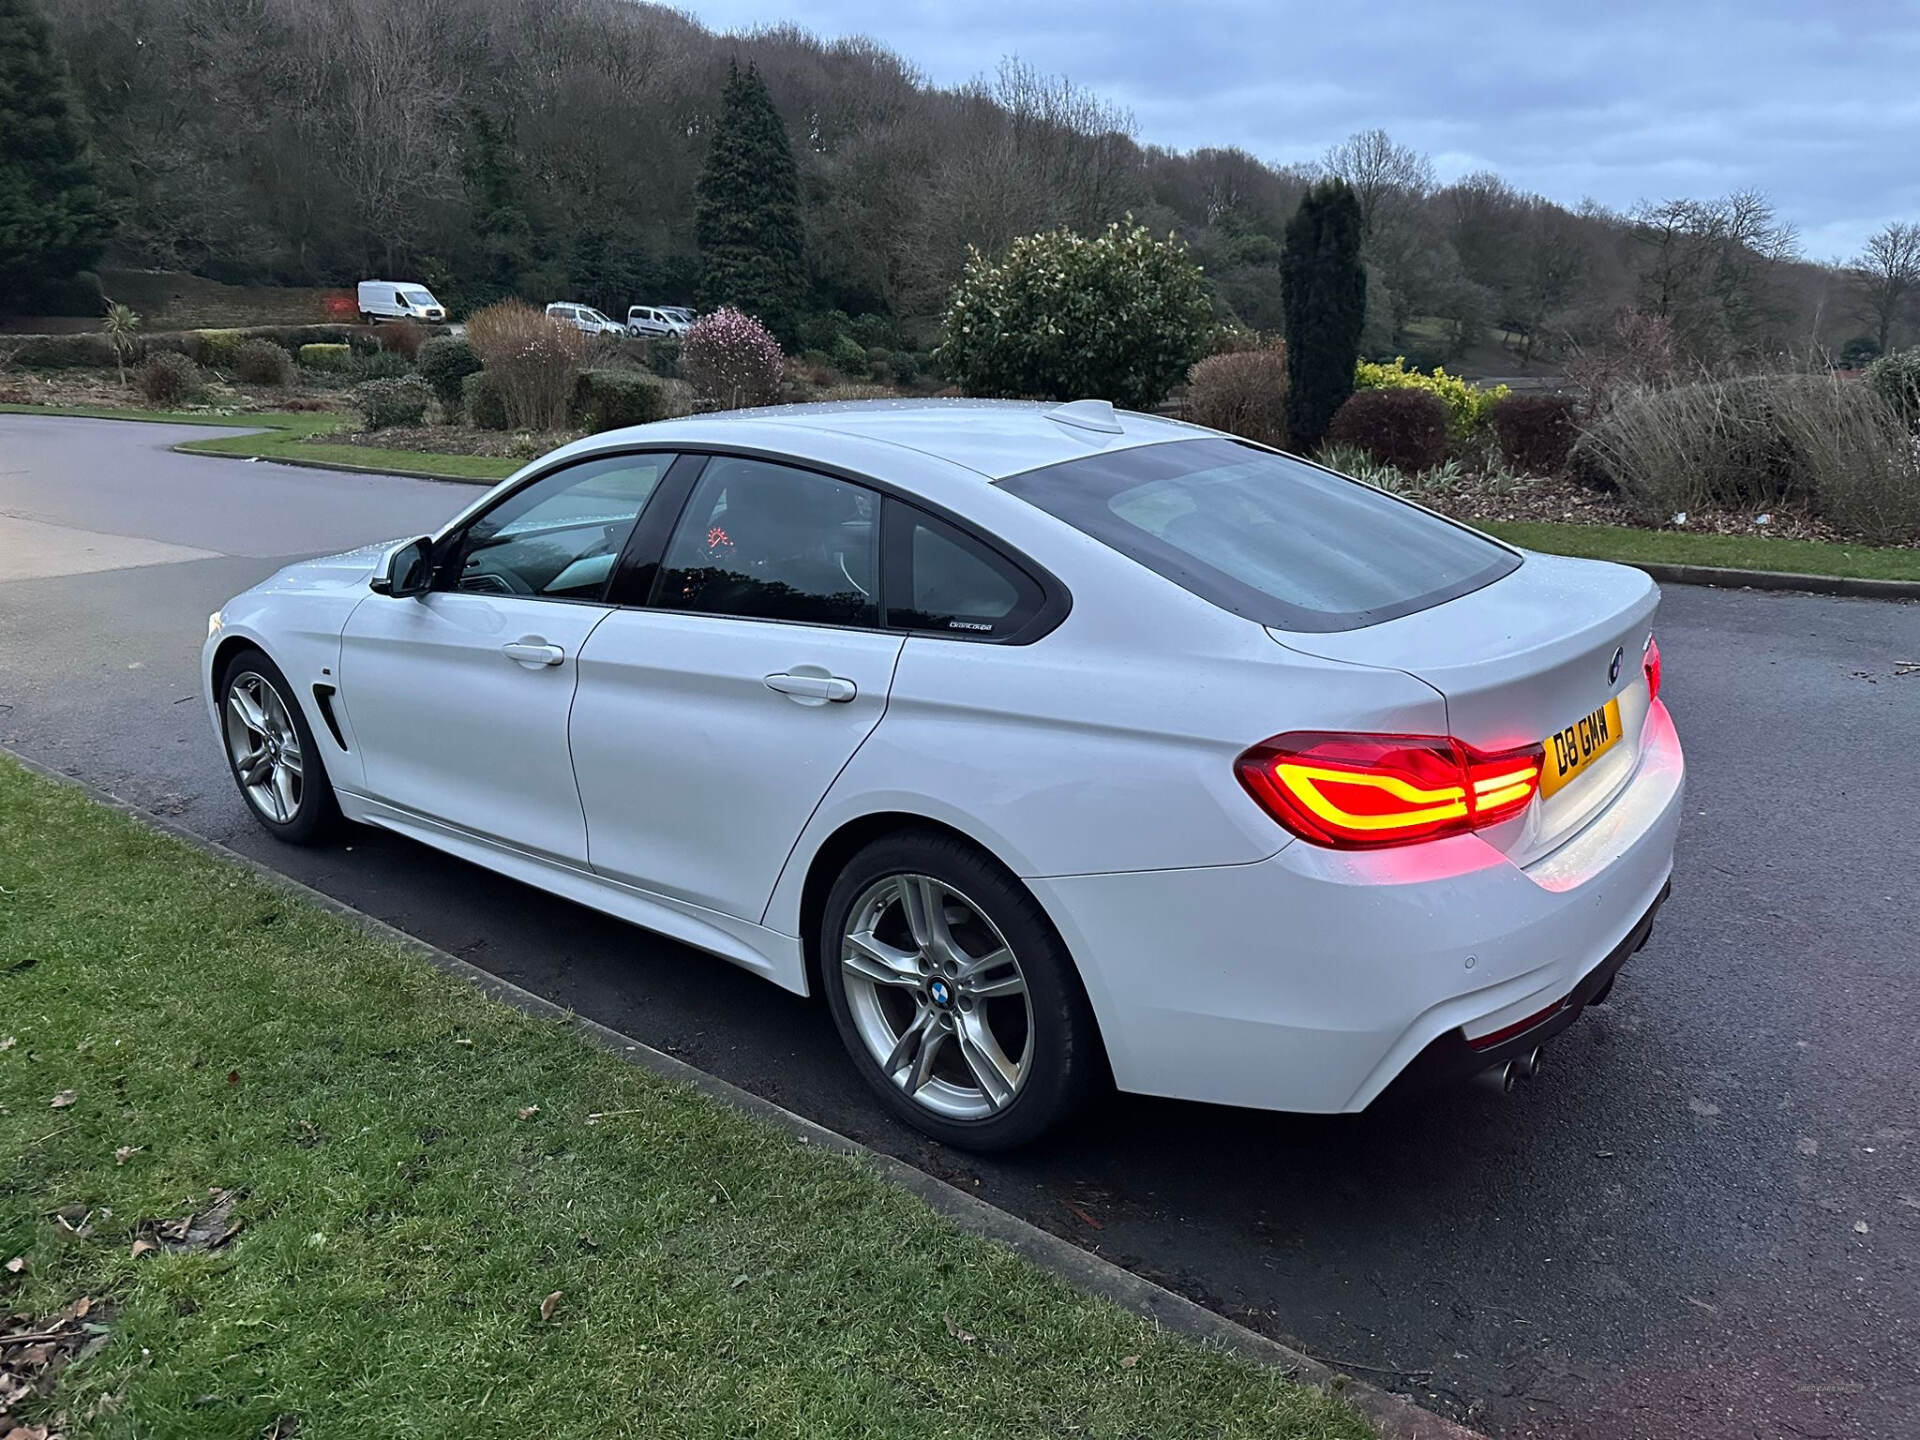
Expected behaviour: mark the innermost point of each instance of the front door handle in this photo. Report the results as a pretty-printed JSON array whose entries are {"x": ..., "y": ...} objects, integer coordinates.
[
  {"x": 813, "y": 689},
  {"x": 533, "y": 652}
]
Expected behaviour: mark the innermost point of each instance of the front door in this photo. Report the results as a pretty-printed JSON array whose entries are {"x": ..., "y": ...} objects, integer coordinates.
[{"x": 458, "y": 699}]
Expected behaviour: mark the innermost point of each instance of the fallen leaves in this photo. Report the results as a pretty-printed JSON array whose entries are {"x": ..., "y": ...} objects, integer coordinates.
[
  {"x": 7, "y": 1042},
  {"x": 64, "y": 1099},
  {"x": 124, "y": 1153},
  {"x": 954, "y": 1328},
  {"x": 1127, "y": 1362},
  {"x": 143, "y": 1247},
  {"x": 547, "y": 1305},
  {"x": 527, "y": 1112},
  {"x": 207, "y": 1229},
  {"x": 16, "y": 1265},
  {"x": 33, "y": 1352}
]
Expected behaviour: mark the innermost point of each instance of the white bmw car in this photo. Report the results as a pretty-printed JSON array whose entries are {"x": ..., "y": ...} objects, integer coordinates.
[{"x": 1051, "y": 745}]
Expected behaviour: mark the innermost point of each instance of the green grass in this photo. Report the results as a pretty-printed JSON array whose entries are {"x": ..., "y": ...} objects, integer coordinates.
[
  {"x": 1737, "y": 552},
  {"x": 402, "y": 1222},
  {"x": 293, "y": 436}
]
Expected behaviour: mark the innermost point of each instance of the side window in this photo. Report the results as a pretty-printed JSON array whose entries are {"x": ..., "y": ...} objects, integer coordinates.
[
  {"x": 950, "y": 583},
  {"x": 558, "y": 538},
  {"x": 775, "y": 543}
]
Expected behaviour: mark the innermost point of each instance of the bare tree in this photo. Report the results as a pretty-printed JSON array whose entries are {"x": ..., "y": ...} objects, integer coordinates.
[
  {"x": 1380, "y": 173},
  {"x": 1887, "y": 276}
]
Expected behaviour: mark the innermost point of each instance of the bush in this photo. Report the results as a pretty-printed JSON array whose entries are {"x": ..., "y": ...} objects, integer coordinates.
[
  {"x": 848, "y": 356},
  {"x": 663, "y": 356},
  {"x": 1535, "y": 432},
  {"x": 337, "y": 358},
  {"x": 482, "y": 402},
  {"x": 614, "y": 399},
  {"x": 875, "y": 332},
  {"x": 444, "y": 363},
  {"x": 169, "y": 379},
  {"x": 402, "y": 337},
  {"x": 261, "y": 362},
  {"x": 381, "y": 365},
  {"x": 904, "y": 365},
  {"x": 1895, "y": 378},
  {"x": 732, "y": 360},
  {"x": 1404, "y": 428},
  {"x": 534, "y": 361},
  {"x": 215, "y": 349},
  {"x": 382, "y": 403},
  {"x": 1753, "y": 442},
  {"x": 1243, "y": 392},
  {"x": 1468, "y": 405},
  {"x": 89, "y": 350},
  {"x": 1119, "y": 317}
]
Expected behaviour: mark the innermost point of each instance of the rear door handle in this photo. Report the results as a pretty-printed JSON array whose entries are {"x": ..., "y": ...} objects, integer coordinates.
[
  {"x": 533, "y": 652},
  {"x": 816, "y": 688}
]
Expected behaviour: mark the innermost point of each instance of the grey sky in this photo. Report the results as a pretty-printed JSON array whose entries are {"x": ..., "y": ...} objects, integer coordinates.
[{"x": 1815, "y": 102}]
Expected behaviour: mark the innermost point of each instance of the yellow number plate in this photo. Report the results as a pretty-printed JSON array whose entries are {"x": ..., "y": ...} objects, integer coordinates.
[{"x": 1573, "y": 749}]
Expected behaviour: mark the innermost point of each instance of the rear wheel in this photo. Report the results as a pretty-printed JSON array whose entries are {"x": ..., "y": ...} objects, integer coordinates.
[
  {"x": 958, "y": 1003},
  {"x": 271, "y": 753}
]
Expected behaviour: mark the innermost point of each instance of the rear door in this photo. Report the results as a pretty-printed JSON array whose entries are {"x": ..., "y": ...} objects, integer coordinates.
[{"x": 713, "y": 715}]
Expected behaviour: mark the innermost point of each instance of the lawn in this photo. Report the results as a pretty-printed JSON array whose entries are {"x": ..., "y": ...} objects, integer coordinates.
[
  {"x": 415, "y": 1169},
  {"x": 1738, "y": 552}
]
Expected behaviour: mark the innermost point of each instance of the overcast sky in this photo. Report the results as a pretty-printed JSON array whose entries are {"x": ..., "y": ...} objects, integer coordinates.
[{"x": 1813, "y": 101}]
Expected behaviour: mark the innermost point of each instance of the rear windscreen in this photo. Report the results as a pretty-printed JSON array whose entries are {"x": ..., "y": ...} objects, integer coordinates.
[{"x": 1267, "y": 536}]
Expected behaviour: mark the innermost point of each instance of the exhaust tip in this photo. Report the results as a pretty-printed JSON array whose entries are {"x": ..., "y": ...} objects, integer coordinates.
[
  {"x": 1528, "y": 1066},
  {"x": 1498, "y": 1078}
]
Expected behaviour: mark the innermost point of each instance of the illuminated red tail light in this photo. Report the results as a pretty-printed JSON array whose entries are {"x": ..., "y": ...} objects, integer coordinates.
[
  {"x": 1361, "y": 792},
  {"x": 1652, "y": 666}
]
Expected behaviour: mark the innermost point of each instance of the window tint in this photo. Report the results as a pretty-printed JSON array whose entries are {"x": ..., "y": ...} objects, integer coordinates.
[
  {"x": 558, "y": 537},
  {"x": 1266, "y": 536},
  {"x": 765, "y": 540},
  {"x": 952, "y": 583}
]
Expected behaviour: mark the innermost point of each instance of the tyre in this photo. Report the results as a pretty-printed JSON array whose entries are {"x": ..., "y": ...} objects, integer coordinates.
[
  {"x": 957, "y": 1001},
  {"x": 271, "y": 753}
]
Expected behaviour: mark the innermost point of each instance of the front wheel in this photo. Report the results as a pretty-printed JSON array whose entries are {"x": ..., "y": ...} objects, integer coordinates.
[
  {"x": 958, "y": 1002},
  {"x": 271, "y": 753}
]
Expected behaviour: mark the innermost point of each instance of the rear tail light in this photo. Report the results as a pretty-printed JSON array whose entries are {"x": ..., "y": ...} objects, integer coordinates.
[
  {"x": 1362, "y": 792},
  {"x": 1652, "y": 666}
]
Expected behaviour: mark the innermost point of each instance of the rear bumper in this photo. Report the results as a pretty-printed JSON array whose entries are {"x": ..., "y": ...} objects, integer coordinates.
[{"x": 1313, "y": 979}]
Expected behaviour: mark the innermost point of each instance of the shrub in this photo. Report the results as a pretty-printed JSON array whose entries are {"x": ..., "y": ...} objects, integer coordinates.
[
  {"x": 382, "y": 403},
  {"x": 444, "y": 363},
  {"x": 402, "y": 337},
  {"x": 169, "y": 379},
  {"x": 614, "y": 399},
  {"x": 215, "y": 349},
  {"x": 1118, "y": 317},
  {"x": 1468, "y": 405},
  {"x": 482, "y": 403},
  {"x": 1758, "y": 440},
  {"x": 1895, "y": 378},
  {"x": 1535, "y": 432},
  {"x": 1243, "y": 392},
  {"x": 327, "y": 357},
  {"x": 905, "y": 366},
  {"x": 381, "y": 365},
  {"x": 261, "y": 362},
  {"x": 534, "y": 361},
  {"x": 875, "y": 332},
  {"x": 1404, "y": 428},
  {"x": 663, "y": 356},
  {"x": 61, "y": 352},
  {"x": 848, "y": 356},
  {"x": 732, "y": 360}
]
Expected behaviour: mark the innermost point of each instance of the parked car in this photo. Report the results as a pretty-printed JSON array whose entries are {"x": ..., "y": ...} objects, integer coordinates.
[
  {"x": 658, "y": 320},
  {"x": 585, "y": 318},
  {"x": 1046, "y": 743},
  {"x": 397, "y": 300}
]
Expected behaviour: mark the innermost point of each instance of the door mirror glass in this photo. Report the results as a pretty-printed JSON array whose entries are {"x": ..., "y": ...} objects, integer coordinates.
[{"x": 407, "y": 569}]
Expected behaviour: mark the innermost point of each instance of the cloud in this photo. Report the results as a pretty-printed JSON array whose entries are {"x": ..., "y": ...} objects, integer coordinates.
[{"x": 1634, "y": 99}]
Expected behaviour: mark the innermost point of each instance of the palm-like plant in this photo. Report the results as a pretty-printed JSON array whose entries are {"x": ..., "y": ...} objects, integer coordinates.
[{"x": 120, "y": 326}]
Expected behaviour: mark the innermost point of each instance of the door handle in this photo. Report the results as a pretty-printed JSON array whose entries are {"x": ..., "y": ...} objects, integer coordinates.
[
  {"x": 818, "y": 689},
  {"x": 533, "y": 652}
]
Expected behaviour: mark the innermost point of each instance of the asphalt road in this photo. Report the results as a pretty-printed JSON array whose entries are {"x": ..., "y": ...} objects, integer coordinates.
[{"x": 1703, "y": 1220}]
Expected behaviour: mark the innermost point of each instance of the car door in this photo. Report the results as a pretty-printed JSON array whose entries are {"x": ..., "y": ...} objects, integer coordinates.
[
  {"x": 458, "y": 698},
  {"x": 714, "y": 713}
]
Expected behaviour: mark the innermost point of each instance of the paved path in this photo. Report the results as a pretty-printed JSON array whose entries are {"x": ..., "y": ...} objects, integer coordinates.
[{"x": 1703, "y": 1220}]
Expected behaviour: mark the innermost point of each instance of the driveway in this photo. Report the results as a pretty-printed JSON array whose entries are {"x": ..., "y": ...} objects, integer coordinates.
[{"x": 1702, "y": 1221}]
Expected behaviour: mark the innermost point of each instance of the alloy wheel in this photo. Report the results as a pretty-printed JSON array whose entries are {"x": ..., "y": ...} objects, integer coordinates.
[
  {"x": 937, "y": 996},
  {"x": 264, "y": 745}
]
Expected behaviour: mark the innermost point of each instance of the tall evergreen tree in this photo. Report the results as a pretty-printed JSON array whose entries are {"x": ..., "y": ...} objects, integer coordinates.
[
  {"x": 502, "y": 231},
  {"x": 747, "y": 209},
  {"x": 54, "y": 216},
  {"x": 1323, "y": 297}
]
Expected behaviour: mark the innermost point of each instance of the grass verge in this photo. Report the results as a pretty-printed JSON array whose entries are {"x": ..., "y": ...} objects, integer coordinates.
[
  {"x": 1735, "y": 552},
  {"x": 297, "y": 437},
  {"x": 406, "y": 1207}
]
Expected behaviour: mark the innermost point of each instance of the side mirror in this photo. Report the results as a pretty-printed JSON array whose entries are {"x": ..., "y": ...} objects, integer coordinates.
[{"x": 407, "y": 570}]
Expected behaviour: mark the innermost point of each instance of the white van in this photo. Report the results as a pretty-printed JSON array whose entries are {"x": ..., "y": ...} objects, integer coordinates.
[
  {"x": 658, "y": 320},
  {"x": 398, "y": 300},
  {"x": 583, "y": 318}
]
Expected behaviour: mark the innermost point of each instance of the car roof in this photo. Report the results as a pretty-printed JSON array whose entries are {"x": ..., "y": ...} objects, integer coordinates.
[{"x": 993, "y": 438}]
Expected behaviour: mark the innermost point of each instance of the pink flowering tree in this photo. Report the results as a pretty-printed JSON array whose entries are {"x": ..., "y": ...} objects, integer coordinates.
[{"x": 732, "y": 360}]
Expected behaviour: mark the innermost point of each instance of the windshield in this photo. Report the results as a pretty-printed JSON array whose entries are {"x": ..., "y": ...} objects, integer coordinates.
[
  {"x": 594, "y": 315},
  {"x": 420, "y": 298},
  {"x": 1267, "y": 536}
]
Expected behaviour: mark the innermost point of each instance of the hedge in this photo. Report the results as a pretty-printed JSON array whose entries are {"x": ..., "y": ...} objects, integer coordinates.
[
  {"x": 326, "y": 357},
  {"x": 614, "y": 399},
  {"x": 480, "y": 397},
  {"x": 1406, "y": 429}
]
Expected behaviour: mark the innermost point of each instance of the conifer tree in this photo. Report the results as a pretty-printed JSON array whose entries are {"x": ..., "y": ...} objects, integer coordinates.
[
  {"x": 1323, "y": 298},
  {"x": 747, "y": 209}
]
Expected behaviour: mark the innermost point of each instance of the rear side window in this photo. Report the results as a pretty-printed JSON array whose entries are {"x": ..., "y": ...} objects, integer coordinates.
[
  {"x": 944, "y": 580},
  {"x": 1266, "y": 536}
]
